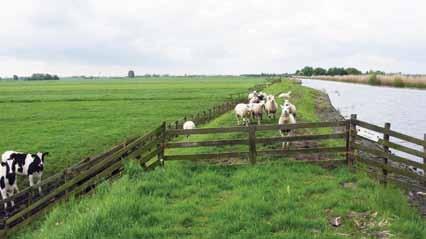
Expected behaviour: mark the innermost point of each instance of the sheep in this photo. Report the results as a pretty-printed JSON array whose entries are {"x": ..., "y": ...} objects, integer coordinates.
[
  {"x": 286, "y": 118},
  {"x": 188, "y": 125},
  {"x": 285, "y": 95},
  {"x": 271, "y": 106},
  {"x": 252, "y": 95},
  {"x": 257, "y": 110},
  {"x": 293, "y": 109},
  {"x": 243, "y": 111}
]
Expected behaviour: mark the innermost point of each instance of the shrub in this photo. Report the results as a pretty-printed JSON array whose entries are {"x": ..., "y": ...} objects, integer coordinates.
[
  {"x": 398, "y": 82},
  {"x": 372, "y": 80}
]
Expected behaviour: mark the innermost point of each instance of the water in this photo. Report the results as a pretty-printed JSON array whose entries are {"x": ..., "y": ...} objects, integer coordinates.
[{"x": 405, "y": 109}]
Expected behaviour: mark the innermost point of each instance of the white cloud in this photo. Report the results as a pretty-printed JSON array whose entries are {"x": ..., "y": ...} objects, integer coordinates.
[{"x": 88, "y": 37}]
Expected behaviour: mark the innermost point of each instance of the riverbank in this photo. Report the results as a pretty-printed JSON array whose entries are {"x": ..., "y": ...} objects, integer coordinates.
[{"x": 399, "y": 81}]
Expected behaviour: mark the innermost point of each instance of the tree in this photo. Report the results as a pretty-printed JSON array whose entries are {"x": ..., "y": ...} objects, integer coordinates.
[
  {"x": 353, "y": 71},
  {"x": 307, "y": 71},
  {"x": 15, "y": 77},
  {"x": 131, "y": 74},
  {"x": 320, "y": 71}
]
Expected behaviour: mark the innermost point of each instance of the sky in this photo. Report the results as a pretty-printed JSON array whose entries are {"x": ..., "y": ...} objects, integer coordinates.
[{"x": 108, "y": 38}]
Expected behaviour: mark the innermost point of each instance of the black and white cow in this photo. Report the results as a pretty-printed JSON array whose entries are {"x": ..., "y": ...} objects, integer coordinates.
[
  {"x": 31, "y": 165},
  {"x": 8, "y": 184}
]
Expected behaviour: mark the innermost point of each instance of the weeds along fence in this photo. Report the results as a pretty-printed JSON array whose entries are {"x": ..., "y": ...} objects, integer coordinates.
[{"x": 82, "y": 177}]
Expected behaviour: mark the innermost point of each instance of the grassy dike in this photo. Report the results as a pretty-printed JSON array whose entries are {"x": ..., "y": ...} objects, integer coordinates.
[{"x": 278, "y": 199}]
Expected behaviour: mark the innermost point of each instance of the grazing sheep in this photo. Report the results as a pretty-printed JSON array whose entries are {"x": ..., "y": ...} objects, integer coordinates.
[
  {"x": 257, "y": 110},
  {"x": 188, "y": 125},
  {"x": 292, "y": 107},
  {"x": 243, "y": 111},
  {"x": 285, "y": 95},
  {"x": 271, "y": 106},
  {"x": 286, "y": 118}
]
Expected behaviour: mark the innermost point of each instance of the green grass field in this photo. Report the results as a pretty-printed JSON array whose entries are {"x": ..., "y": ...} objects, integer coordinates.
[
  {"x": 278, "y": 199},
  {"x": 73, "y": 119}
]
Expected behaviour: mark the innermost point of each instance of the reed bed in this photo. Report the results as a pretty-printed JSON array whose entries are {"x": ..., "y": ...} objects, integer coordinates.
[{"x": 418, "y": 81}]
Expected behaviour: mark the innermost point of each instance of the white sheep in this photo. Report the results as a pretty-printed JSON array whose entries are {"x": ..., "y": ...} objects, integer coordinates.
[
  {"x": 252, "y": 95},
  {"x": 285, "y": 95},
  {"x": 188, "y": 125},
  {"x": 271, "y": 106},
  {"x": 242, "y": 111},
  {"x": 286, "y": 118},
  {"x": 257, "y": 110},
  {"x": 293, "y": 109}
]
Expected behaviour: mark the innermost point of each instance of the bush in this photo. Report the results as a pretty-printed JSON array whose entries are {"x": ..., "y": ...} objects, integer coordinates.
[
  {"x": 372, "y": 80},
  {"x": 398, "y": 82}
]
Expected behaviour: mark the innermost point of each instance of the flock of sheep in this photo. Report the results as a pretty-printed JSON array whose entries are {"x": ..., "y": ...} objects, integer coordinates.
[{"x": 260, "y": 103}]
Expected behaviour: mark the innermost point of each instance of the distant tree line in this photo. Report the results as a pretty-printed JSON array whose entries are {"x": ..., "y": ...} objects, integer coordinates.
[
  {"x": 42, "y": 76},
  {"x": 333, "y": 71}
]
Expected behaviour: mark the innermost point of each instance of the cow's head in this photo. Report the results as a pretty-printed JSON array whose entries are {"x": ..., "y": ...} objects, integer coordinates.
[
  {"x": 10, "y": 167},
  {"x": 40, "y": 159}
]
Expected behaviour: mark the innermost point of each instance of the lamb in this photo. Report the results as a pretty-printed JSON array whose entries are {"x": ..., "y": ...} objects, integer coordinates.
[
  {"x": 286, "y": 118},
  {"x": 285, "y": 95},
  {"x": 188, "y": 125},
  {"x": 292, "y": 107},
  {"x": 257, "y": 110},
  {"x": 243, "y": 111},
  {"x": 271, "y": 106}
]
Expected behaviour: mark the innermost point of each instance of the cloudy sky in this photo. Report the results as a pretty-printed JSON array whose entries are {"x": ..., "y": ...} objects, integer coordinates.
[{"x": 105, "y": 37}]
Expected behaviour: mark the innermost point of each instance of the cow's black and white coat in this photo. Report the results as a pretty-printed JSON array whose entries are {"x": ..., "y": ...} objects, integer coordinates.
[
  {"x": 31, "y": 165},
  {"x": 8, "y": 184}
]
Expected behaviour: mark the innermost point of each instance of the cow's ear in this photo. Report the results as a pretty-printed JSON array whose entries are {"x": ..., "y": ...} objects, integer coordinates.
[
  {"x": 45, "y": 153},
  {"x": 3, "y": 164}
]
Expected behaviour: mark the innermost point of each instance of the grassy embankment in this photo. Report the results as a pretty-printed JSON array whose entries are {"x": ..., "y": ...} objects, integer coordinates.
[
  {"x": 279, "y": 199},
  {"x": 73, "y": 119},
  {"x": 383, "y": 80}
]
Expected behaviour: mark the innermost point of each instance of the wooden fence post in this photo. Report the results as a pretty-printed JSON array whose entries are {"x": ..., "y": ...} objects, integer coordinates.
[
  {"x": 424, "y": 149},
  {"x": 161, "y": 144},
  {"x": 252, "y": 143},
  {"x": 351, "y": 140},
  {"x": 386, "y": 149}
]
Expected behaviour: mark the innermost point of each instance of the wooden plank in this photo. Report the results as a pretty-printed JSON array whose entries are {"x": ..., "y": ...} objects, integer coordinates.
[
  {"x": 391, "y": 169},
  {"x": 288, "y": 152},
  {"x": 206, "y": 131},
  {"x": 402, "y": 148},
  {"x": 301, "y": 125},
  {"x": 352, "y": 138},
  {"x": 206, "y": 143},
  {"x": 207, "y": 156},
  {"x": 369, "y": 126},
  {"x": 252, "y": 144},
  {"x": 380, "y": 153},
  {"x": 391, "y": 133},
  {"x": 301, "y": 138},
  {"x": 386, "y": 150}
]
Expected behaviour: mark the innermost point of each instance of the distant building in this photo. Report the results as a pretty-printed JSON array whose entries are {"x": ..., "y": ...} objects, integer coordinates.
[{"x": 131, "y": 74}]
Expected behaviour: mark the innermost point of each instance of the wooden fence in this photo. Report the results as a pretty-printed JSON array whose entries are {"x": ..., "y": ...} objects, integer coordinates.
[
  {"x": 82, "y": 177},
  {"x": 355, "y": 148}
]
